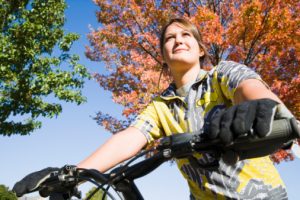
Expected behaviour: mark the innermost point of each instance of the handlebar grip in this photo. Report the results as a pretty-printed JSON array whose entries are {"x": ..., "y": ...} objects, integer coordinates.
[
  {"x": 283, "y": 131},
  {"x": 284, "y": 128}
]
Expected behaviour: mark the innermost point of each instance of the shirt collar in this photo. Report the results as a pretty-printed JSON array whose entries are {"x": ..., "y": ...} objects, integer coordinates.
[{"x": 170, "y": 92}]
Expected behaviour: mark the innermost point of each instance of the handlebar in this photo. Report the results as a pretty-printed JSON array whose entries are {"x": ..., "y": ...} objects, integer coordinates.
[
  {"x": 178, "y": 146},
  {"x": 249, "y": 146},
  {"x": 283, "y": 132}
]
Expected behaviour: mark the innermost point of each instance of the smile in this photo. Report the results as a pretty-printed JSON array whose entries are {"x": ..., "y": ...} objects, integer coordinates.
[{"x": 178, "y": 50}]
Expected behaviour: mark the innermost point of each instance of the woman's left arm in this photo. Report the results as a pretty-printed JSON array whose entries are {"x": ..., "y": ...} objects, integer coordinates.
[
  {"x": 251, "y": 89},
  {"x": 248, "y": 114}
]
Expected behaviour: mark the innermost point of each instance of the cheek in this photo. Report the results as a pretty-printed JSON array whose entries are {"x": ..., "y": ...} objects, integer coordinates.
[
  {"x": 166, "y": 50},
  {"x": 166, "y": 47},
  {"x": 197, "y": 49}
]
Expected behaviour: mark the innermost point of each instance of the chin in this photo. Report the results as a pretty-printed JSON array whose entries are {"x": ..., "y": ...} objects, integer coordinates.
[{"x": 184, "y": 61}]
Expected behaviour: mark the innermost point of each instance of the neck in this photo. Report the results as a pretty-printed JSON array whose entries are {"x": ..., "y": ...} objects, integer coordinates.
[{"x": 184, "y": 76}]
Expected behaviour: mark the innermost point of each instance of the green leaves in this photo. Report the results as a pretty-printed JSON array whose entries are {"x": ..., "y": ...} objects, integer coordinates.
[
  {"x": 29, "y": 71},
  {"x": 6, "y": 194},
  {"x": 67, "y": 41},
  {"x": 98, "y": 195}
]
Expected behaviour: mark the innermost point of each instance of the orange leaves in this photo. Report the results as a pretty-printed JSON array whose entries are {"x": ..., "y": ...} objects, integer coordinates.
[
  {"x": 110, "y": 123},
  {"x": 246, "y": 22},
  {"x": 259, "y": 26},
  {"x": 209, "y": 22},
  {"x": 264, "y": 35},
  {"x": 282, "y": 155}
]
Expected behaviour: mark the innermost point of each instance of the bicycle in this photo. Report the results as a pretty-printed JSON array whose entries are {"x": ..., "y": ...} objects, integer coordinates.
[{"x": 121, "y": 178}]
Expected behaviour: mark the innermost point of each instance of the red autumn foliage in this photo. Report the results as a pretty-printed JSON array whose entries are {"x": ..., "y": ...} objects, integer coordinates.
[{"x": 265, "y": 35}]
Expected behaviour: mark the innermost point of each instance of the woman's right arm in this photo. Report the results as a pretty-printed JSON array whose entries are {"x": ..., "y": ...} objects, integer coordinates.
[{"x": 119, "y": 147}]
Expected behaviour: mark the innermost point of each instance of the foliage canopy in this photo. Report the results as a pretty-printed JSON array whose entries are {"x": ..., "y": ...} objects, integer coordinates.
[
  {"x": 29, "y": 70},
  {"x": 6, "y": 194},
  {"x": 261, "y": 34}
]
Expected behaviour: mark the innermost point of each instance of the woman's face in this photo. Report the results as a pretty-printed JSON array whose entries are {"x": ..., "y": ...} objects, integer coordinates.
[{"x": 180, "y": 47}]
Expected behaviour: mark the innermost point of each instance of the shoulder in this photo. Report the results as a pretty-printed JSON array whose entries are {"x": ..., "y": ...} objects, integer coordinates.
[
  {"x": 224, "y": 66},
  {"x": 231, "y": 68},
  {"x": 229, "y": 65},
  {"x": 156, "y": 101}
]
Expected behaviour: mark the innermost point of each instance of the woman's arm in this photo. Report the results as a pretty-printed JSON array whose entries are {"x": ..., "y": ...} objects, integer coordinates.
[
  {"x": 118, "y": 148},
  {"x": 251, "y": 89},
  {"x": 246, "y": 114}
]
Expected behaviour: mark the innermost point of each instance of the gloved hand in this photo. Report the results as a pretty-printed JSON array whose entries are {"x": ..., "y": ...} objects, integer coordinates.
[
  {"x": 240, "y": 119},
  {"x": 32, "y": 181}
]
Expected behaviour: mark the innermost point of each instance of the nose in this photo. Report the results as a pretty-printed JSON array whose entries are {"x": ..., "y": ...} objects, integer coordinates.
[{"x": 178, "y": 39}]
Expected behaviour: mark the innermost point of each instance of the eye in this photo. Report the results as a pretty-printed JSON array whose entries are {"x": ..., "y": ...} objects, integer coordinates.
[
  {"x": 186, "y": 34},
  {"x": 169, "y": 37}
]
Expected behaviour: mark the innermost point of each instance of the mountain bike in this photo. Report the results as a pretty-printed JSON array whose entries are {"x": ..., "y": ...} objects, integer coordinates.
[{"x": 121, "y": 179}]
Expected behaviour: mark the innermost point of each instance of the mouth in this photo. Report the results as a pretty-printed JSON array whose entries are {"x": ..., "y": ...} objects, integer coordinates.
[{"x": 179, "y": 50}]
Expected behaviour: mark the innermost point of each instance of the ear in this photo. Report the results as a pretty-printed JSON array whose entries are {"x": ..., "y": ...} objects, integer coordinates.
[{"x": 201, "y": 52}]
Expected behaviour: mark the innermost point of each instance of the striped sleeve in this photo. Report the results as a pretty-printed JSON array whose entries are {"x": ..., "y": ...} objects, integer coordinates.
[
  {"x": 230, "y": 74},
  {"x": 148, "y": 123}
]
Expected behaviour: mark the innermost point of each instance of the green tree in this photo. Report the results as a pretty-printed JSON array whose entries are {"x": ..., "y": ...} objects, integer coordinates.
[
  {"x": 97, "y": 196},
  {"x": 5, "y": 194},
  {"x": 30, "y": 71}
]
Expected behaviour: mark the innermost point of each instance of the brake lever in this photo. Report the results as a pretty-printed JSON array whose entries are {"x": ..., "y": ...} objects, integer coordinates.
[
  {"x": 184, "y": 145},
  {"x": 177, "y": 146},
  {"x": 62, "y": 182}
]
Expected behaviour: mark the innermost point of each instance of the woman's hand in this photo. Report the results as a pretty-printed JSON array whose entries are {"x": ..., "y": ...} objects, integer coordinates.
[
  {"x": 32, "y": 181},
  {"x": 240, "y": 119}
]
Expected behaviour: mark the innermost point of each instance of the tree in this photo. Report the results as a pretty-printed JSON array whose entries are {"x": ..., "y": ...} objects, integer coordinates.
[
  {"x": 5, "y": 194},
  {"x": 97, "y": 195},
  {"x": 29, "y": 70},
  {"x": 261, "y": 34}
]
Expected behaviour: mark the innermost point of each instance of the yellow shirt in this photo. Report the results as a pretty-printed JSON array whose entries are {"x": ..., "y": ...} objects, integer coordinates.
[{"x": 212, "y": 91}]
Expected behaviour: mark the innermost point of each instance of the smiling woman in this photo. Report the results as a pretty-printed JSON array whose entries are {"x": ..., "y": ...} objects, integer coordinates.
[
  {"x": 182, "y": 49},
  {"x": 181, "y": 53},
  {"x": 201, "y": 100}
]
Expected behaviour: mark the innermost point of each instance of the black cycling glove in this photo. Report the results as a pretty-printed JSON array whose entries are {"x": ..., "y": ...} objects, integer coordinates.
[
  {"x": 240, "y": 119},
  {"x": 30, "y": 182}
]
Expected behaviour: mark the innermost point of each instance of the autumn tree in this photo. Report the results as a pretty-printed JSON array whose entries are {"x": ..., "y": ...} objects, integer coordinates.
[
  {"x": 30, "y": 70},
  {"x": 263, "y": 34}
]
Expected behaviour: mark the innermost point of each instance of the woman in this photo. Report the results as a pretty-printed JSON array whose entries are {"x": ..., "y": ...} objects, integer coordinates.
[{"x": 197, "y": 99}]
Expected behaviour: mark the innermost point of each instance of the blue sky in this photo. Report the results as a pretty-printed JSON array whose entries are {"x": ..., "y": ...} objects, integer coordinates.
[{"x": 73, "y": 135}]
